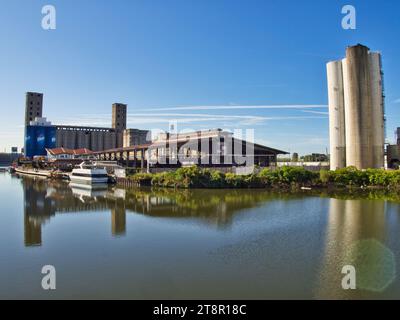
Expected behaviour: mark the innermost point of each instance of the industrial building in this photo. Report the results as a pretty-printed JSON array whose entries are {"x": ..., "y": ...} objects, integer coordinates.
[
  {"x": 134, "y": 147},
  {"x": 213, "y": 148},
  {"x": 134, "y": 137},
  {"x": 356, "y": 110},
  {"x": 33, "y": 106},
  {"x": 75, "y": 137},
  {"x": 393, "y": 152},
  {"x": 39, "y": 135}
]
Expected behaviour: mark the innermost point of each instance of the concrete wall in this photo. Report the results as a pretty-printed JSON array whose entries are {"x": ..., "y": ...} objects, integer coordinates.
[{"x": 134, "y": 137}]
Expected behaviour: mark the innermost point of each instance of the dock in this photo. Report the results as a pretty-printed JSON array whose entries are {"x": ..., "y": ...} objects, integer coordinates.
[{"x": 34, "y": 172}]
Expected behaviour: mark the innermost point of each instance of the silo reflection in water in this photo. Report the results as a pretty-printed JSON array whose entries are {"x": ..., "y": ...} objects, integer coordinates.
[{"x": 355, "y": 236}]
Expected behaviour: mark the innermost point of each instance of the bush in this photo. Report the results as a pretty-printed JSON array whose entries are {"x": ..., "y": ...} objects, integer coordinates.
[
  {"x": 234, "y": 180},
  {"x": 141, "y": 176},
  {"x": 217, "y": 179},
  {"x": 194, "y": 177},
  {"x": 325, "y": 176},
  {"x": 297, "y": 175},
  {"x": 350, "y": 176},
  {"x": 268, "y": 177}
]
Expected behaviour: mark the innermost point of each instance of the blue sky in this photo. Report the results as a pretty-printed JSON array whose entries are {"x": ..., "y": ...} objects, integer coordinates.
[{"x": 204, "y": 63}]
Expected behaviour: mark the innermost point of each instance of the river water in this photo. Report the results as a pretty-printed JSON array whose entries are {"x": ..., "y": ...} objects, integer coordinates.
[{"x": 205, "y": 244}]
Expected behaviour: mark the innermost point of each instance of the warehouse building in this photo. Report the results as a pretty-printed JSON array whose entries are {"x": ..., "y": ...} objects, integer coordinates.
[{"x": 212, "y": 148}]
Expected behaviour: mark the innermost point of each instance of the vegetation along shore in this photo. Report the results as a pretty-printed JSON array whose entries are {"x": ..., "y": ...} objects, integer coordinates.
[{"x": 279, "y": 178}]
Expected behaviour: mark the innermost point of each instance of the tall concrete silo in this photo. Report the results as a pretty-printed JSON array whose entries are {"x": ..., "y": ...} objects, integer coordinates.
[
  {"x": 378, "y": 122},
  {"x": 356, "y": 109},
  {"x": 337, "y": 135},
  {"x": 358, "y": 124}
]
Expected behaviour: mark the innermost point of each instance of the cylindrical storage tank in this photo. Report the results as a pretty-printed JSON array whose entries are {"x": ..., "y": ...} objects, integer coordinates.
[
  {"x": 80, "y": 139},
  {"x": 94, "y": 141},
  {"x": 101, "y": 140},
  {"x": 71, "y": 141},
  {"x": 337, "y": 137},
  {"x": 59, "y": 137},
  {"x": 359, "y": 151},
  {"x": 65, "y": 138},
  {"x": 113, "y": 137},
  {"x": 87, "y": 139},
  {"x": 378, "y": 122}
]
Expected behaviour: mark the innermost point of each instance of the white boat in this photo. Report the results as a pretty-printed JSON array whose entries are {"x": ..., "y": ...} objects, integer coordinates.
[{"x": 88, "y": 173}]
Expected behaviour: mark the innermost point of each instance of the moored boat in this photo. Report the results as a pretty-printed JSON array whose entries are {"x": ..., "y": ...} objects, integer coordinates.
[{"x": 88, "y": 173}]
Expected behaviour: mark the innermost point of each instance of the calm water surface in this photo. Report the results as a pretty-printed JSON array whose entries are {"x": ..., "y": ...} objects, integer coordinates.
[{"x": 205, "y": 244}]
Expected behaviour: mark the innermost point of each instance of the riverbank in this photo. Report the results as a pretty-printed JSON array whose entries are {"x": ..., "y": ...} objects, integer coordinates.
[{"x": 280, "y": 178}]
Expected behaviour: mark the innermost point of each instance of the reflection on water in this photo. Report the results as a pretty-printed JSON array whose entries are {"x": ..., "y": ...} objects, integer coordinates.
[
  {"x": 198, "y": 243},
  {"x": 356, "y": 235},
  {"x": 45, "y": 199}
]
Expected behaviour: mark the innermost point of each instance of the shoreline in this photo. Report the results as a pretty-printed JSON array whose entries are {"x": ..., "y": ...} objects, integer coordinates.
[
  {"x": 285, "y": 178},
  {"x": 282, "y": 179}
]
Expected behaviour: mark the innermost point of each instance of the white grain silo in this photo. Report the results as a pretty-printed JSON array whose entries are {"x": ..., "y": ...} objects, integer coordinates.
[{"x": 337, "y": 135}]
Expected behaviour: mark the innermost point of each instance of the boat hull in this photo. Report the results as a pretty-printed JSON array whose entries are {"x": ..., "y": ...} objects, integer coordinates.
[{"x": 88, "y": 180}]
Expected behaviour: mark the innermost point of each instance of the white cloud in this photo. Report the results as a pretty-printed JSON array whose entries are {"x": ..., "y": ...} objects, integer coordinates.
[
  {"x": 316, "y": 112},
  {"x": 232, "y": 107},
  {"x": 396, "y": 101},
  {"x": 165, "y": 118}
]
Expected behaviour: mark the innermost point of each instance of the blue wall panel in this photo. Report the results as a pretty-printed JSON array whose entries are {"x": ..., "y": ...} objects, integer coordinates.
[{"x": 37, "y": 139}]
